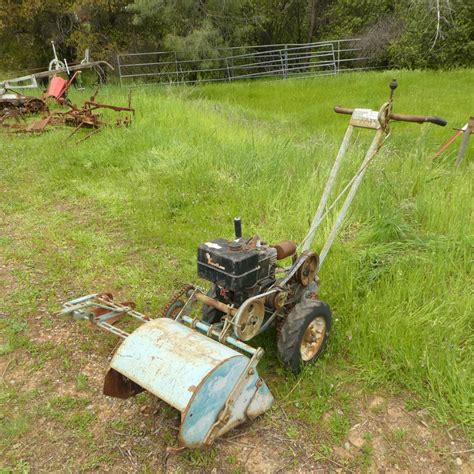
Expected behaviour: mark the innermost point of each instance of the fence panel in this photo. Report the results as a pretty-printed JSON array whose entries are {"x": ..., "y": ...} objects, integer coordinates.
[{"x": 237, "y": 63}]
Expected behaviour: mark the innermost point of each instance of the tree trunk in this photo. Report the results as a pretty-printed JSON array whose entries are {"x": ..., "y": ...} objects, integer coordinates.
[{"x": 312, "y": 20}]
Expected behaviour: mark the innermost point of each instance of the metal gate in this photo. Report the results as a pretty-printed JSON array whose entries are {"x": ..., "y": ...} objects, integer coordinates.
[{"x": 248, "y": 62}]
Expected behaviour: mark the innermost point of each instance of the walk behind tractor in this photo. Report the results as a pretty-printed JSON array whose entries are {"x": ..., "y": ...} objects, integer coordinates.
[{"x": 198, "y": 359}]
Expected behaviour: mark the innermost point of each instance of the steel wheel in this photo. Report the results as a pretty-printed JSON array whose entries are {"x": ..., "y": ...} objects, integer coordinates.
[{"x": 313, "y": 338}]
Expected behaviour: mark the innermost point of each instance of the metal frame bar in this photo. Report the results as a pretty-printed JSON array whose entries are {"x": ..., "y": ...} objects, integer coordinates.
[
  {"x": 8, "y": 83},
  {"x": 378, "y": 124},
  {"x": 82, "y": 309},
  {"x": 281, "y": 60}
]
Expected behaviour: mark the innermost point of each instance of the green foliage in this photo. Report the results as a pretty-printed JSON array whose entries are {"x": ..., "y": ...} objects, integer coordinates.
[
  {"x": 26, "y": 29},
  {"x": 394, "y": 34},
  {"x": 404, "y": 34},
  {"x": 419, "y": 46},
  {"x": 348, "y": 18}
]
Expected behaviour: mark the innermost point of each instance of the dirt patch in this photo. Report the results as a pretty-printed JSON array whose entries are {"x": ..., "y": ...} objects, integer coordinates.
[{"x": 386, "y": 437}]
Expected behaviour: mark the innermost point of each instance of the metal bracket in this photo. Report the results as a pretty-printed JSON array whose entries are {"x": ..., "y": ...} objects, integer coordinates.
[
  {"x": 225, "y": 414},
  {"x": 99, "y": 309},
  {"x": 365, "y": 118}
]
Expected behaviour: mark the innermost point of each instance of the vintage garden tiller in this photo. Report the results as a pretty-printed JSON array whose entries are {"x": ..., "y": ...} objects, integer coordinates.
[{"x": 203, "y": 366}]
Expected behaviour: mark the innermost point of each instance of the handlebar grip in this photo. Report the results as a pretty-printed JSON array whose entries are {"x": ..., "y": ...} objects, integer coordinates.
[
  {"x": 419, "y": 119},
  {"x": 343, "y": 110},
  {"x": 438, "y": 121}
]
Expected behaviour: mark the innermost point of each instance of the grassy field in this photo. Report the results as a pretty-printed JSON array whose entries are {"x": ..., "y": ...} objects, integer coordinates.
[{"x": 126, "y": 209}]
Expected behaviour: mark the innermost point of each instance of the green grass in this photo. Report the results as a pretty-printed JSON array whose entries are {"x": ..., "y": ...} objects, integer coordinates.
[{"x": 126, "y": 209}]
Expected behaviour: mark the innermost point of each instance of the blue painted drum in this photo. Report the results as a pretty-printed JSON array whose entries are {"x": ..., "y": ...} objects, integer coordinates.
[
  {"x": 209, "y": 400},
  {"x": 213, "y": 386},
  {"x": 170, "y": 360},
  {"x": 204, "y": 421}
]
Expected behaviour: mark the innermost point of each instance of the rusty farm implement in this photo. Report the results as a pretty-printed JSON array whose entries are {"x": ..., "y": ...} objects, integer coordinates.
[{"x": 198, "y": 357}]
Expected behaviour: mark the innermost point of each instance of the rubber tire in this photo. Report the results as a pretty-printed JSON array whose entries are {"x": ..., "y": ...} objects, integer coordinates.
[
  {"x": 211, "y": 315},
  {"x": 292, "y": 331}
]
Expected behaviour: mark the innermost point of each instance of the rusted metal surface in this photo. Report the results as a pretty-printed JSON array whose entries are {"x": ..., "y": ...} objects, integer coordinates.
[
  {"x": 277, "y": 300},
  {"x": 449, "y": 142},
  {"x": 250, "y": 320},
  {"x": 466, "y": 131},
  {"x": 39, "y": 126},
  {"x": 118, "y": 386},
  {"x": 307, "y": 272},
  {"x": 9, "y": 116},
  {"x": 91, "y": 308},
  {"x": 91, "y": 105},
  {"x": 85, "y": 116},
  {"x": 313, "y": 338},
  {"x": 467, "y": 134},
  {"x": 285, "y": 248},
  {"x": 207, "y": 300},
  {"x": 170, "y": 310},
  {"x": 419, "y": 119},
  {"x": 25, "y": 105},
  {"x": 366, "y": 118}
]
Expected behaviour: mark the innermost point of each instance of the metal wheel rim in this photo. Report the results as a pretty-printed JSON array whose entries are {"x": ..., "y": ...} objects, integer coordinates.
[
  {"x": 250, "y": 321},
  {"x": 313, "y": 338}
]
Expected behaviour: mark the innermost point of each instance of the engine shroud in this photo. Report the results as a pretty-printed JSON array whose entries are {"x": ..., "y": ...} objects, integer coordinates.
[{"x": 233, "y": 264}]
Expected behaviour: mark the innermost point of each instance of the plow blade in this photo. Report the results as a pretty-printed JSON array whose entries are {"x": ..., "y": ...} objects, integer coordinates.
[{"x": 213, "y": 386}]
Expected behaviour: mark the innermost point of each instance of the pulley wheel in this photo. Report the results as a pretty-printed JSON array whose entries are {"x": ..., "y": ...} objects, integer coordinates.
[
  {"x": 35, "y": 105},
  {"x": 307, "y": 272},
  {"x": 250, "y": 321}
]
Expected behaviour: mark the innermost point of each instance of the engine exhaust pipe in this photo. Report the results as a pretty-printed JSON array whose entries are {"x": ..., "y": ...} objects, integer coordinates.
[{"x": 237, "y": 228}]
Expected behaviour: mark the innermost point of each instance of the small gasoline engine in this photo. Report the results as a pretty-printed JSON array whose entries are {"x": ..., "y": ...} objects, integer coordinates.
[{"x": 246, "y": 275}]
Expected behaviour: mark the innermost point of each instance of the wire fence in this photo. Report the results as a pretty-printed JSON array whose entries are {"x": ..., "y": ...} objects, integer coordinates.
[{"x": 237, "y": 63}]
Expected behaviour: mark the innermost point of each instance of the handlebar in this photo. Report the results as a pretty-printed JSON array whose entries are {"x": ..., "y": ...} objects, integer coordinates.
[
  {"x": 419, "y": 119},
  {"x": 343, "y": 110},
  {"x": 401, "y": 118}
]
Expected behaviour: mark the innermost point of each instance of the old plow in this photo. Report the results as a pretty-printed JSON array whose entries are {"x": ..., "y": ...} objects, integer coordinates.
[{"x": 88, "y": 115}]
